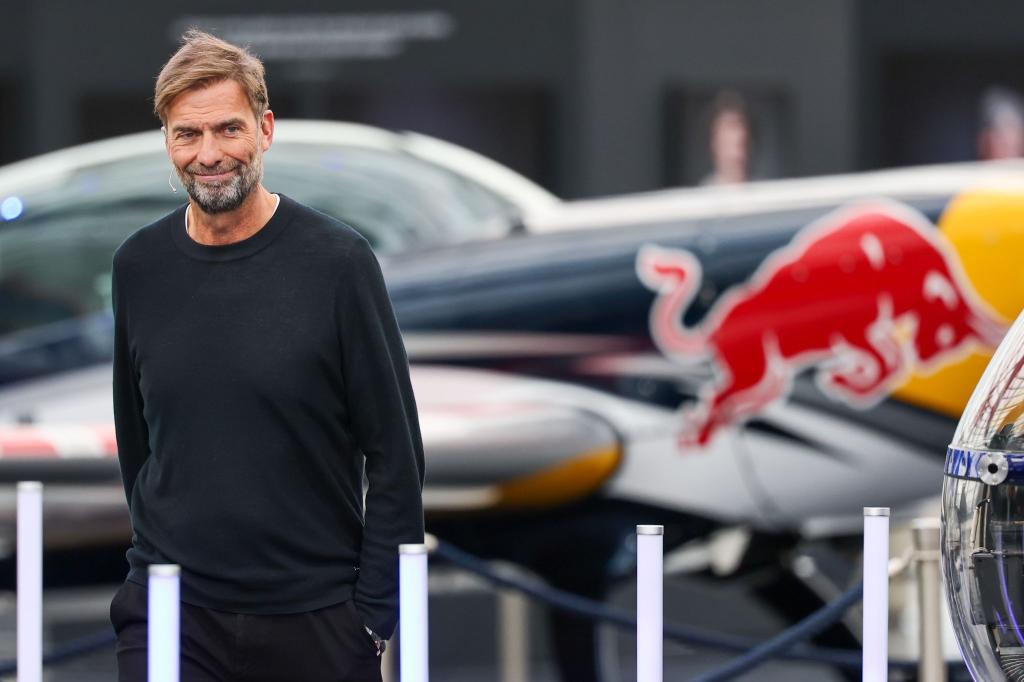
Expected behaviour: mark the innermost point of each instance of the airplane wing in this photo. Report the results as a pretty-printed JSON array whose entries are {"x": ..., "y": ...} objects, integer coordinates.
[{"x": 492, "y": 441}]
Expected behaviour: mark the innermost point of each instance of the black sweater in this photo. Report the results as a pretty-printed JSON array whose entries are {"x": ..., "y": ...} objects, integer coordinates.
[{"x": 250, "y": 380}]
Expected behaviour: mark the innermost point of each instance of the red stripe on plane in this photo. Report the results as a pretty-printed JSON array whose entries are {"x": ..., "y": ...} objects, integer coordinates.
[{"x": 26, "y": 445}]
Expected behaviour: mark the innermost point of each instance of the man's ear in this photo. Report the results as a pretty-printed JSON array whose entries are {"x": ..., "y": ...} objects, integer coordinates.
[{"x": 267, "y": 129}]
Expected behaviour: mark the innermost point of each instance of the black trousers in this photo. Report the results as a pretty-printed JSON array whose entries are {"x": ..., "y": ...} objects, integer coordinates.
[{"x": 328, "y": 644}]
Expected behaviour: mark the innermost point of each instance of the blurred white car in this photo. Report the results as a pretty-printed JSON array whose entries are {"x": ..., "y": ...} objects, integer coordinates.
[{"x": 63, "y": 214}]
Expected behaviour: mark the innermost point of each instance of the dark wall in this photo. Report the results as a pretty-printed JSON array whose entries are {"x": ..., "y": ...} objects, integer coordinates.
[
  {"x": 925, "y": 65},
  {"x": 635, "y": 53},
  {"x": 14, "y": 82},
  {"x": 492, "y": 84},
  {"x": 587, "y": 97},
  {"x": 571, "y": 92}
]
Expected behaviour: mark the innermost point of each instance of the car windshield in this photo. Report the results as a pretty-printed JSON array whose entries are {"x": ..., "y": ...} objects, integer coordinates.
[{"x": 60, "y": 233}]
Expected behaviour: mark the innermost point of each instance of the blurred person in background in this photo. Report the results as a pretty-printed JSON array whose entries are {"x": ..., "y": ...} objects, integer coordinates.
[
  {"x": 730, "y": 139},
  {"x": 258, "y": 372},
  {"x": 1001, "y": 134}
]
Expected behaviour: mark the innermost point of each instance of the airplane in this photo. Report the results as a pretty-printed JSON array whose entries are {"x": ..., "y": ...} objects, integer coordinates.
[
  {"x": 771, "y": 357},
  {"x": 790, "y": 352}
]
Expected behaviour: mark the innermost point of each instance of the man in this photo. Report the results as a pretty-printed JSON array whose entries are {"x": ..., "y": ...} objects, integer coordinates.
[{"x": 257, "y": 366}]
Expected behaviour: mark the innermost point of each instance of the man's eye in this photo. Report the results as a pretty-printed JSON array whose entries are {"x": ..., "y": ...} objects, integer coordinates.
[
  {"x": 232, "y": 129},
  {"x": 185, "y": 135}
]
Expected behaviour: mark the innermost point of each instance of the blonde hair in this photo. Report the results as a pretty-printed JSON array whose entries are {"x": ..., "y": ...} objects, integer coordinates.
[{"x": 203, "y": 60}]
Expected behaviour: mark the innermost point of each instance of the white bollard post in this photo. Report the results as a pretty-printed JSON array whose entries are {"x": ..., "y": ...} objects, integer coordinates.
[
  {"x": 412, "y": 612},
  {"x": 164, "y": 623},
  {"x": 649, "y": 604},
  {"x": 931, "y": 663},
  {"x": 513, "y": 637},
  {"x": 875, "y": 636},
  {"x": 30, "y": 581}
]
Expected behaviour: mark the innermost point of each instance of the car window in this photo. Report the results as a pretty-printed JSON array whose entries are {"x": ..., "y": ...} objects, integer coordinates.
[
  {"x": 55, "y": 255},
  {"x": 398, "y": 201}
]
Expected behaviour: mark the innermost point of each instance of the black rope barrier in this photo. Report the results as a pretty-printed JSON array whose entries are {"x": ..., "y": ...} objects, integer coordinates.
[
  {"x": 785, "y": 645},
  {"x": 788, "y": 644},
  {"x": 803, "y": 630}
]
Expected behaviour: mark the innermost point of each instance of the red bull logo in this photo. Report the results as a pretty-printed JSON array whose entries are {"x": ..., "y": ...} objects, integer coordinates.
[{"x": 861, "y": 297}]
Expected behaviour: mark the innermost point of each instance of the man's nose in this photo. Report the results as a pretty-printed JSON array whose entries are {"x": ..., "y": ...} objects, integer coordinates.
[{"x": 209, "y": 150}]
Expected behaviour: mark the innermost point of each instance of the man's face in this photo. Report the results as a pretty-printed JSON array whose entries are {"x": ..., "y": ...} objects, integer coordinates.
[
  {"x": 216, "y": 144},
  {"x": 1004, "y": 139},
  {"x": 730, "y": 140}
]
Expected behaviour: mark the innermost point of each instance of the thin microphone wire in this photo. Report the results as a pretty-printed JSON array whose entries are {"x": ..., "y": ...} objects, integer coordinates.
[{"x": 171, "y": 184}]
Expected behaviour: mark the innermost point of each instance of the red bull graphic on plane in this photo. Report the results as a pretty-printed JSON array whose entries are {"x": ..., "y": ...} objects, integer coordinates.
[{"x": 862, "y": 297}]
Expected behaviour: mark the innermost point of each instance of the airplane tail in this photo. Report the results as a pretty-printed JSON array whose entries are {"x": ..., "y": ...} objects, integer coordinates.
[{"x": 675, "y": 276}]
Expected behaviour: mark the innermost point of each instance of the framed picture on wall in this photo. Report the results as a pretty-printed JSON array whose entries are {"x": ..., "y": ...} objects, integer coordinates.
[
  {"x": 939, "y": 107},
  {"x": 725, "y": 133}
]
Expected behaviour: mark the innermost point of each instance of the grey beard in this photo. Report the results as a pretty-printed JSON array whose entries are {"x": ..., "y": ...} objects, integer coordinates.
[{"x": 227, "y": 196}]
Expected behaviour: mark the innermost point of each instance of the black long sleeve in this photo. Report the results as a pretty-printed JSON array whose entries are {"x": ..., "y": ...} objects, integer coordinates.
[
  {"x": 386, "y": 428},
  {"x": 254, "y": 382},
  {"x": 130, "y": 424}
]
